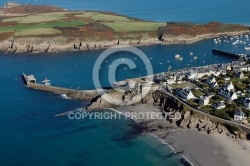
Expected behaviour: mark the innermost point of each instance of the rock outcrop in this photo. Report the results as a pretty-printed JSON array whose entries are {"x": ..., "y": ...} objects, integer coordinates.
[
  {"x": 172, "y": 108},
  {"x": 11, "y": 4},
  {"x": 203, "y": 123}
]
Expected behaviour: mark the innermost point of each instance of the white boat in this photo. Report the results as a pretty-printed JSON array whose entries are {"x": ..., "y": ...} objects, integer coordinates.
[
  {"x": 191, "y": 53},
  {"x": 247, "y": 48},
  {"x": 195, "y": 57},
  {"x": 177, "y": 56},
  {"x": 46, "y": 82}
]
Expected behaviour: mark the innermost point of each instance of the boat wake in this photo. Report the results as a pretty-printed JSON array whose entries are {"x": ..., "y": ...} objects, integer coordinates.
[{"x": 72, "y": 111}]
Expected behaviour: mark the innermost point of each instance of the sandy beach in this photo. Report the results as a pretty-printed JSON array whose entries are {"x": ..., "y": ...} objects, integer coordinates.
[{"x": 198, "y": 147}]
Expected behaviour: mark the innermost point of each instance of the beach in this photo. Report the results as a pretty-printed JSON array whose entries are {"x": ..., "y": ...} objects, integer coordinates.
[{"x": 198, "y": 147}]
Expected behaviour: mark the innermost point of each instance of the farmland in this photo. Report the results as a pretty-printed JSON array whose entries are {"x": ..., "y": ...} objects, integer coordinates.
[{"x": 81, "y": 24}]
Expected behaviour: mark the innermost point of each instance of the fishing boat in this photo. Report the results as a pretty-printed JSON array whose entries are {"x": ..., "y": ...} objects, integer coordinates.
[{"x": 46, "y": 82}]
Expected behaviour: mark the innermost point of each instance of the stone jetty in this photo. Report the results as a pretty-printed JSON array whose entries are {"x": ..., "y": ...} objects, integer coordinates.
[{"x": 87, "y": 95}]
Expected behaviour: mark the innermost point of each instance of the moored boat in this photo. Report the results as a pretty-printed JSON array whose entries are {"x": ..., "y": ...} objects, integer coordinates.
[
  {"x": 177, "y": 56},
  {"x": 247, "y": 48}
]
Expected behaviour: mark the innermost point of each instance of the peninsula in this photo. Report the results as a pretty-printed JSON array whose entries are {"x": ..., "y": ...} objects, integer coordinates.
[{"x": 43, "y": 29}]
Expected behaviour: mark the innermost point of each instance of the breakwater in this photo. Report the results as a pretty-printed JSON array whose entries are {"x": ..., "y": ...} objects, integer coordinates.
[
  {"x": 88, "y": 95},
  {"x": 220, "y": 52}
]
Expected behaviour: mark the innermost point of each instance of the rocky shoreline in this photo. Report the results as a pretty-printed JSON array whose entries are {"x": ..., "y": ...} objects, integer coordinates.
[
  {"x": 188, "y": 119},
  {"x": 24, "y": 29},
  {"x": 50, "y": 45}
]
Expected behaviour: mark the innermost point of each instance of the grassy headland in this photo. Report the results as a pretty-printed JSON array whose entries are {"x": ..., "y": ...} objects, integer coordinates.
[{"x": 23, "y": 26}]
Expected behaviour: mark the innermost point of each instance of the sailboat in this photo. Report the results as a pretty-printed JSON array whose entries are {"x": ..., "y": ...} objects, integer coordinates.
[{"x": 46, "y": 82}]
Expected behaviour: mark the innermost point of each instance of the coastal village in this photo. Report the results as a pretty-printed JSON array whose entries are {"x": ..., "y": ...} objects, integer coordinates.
[
  {"x": 217, "y": 90},
  {"x": 222, "y": 90}
]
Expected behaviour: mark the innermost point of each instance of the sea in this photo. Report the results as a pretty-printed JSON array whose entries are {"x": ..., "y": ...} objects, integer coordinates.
[{"x": 31, "y": 134}]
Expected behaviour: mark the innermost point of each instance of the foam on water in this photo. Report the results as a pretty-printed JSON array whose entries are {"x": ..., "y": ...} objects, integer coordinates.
[{"x": 64, "y": 96}]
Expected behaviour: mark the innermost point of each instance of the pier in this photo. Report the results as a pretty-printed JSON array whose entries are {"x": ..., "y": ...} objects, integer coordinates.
[
  {"x": 88, "y": 95},
  {"x": 220, "y": 52}
]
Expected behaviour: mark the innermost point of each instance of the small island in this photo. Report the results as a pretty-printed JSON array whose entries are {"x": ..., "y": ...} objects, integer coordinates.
[{"x": 43, "y": 29}]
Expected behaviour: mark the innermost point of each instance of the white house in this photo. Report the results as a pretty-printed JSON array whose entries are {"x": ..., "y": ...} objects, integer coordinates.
[
  {"x": 191, "y": 74},
  {"x": 186, "y": 94},
  {"x": 239, "y": 115},
  {"x": 211, "y": 81},
  {"x": 223, "y": 72},
  {"x": 179, "y": 77},
  {"x": 226, "y": 66},
  {"x": 240, "y": 75},
  {"x": 219, "y": 105},
  {"x": 247, "y": 103},
  {"x": 168, "y": 81},
  {"x": 202, "y": 72},
  {"x": 245, "y": 68},
  {"x": 227, "y": 91},
  {"x": 204, "y": 100},
  {"x": 216, "y": 72},
  {"x": 229, "y": 86},
  {"x": 227, "y": 94}
]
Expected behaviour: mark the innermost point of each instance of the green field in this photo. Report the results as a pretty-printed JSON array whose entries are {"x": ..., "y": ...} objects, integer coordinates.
[
  {"x": 45, "y": 17},
  {"x": 51, "y": 23},
  {"x": 47, "y": 25},
  {"x": 121, "y": 23},
  {"x": 134, "y": 26},
  {"x": 105, "y": 17}
]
